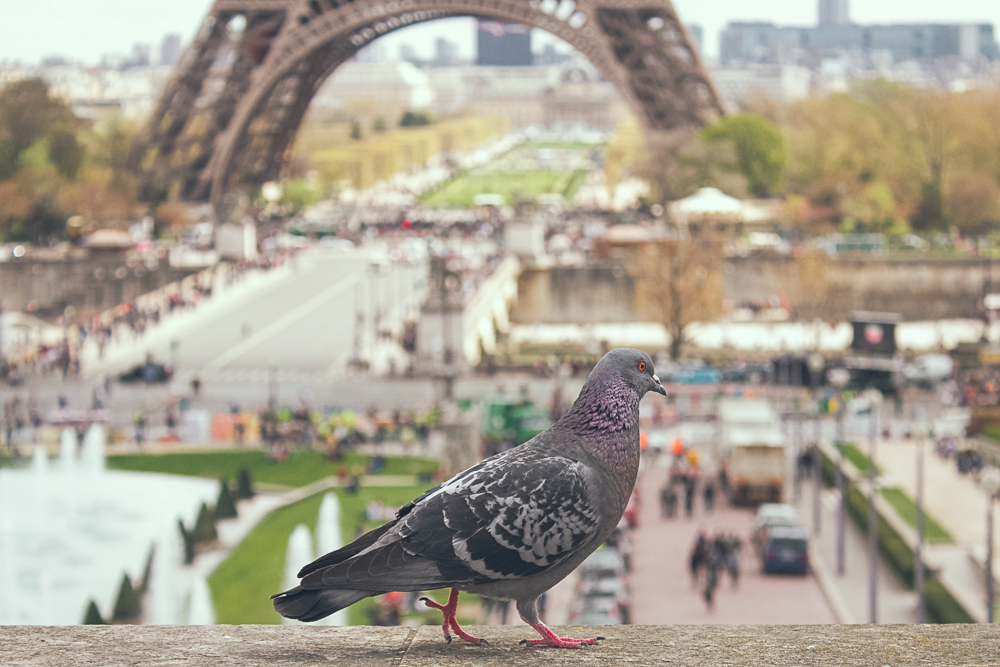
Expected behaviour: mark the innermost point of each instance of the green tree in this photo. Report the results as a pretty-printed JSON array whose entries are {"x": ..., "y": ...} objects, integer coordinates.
[
  {"x": 225, "y": 507},
  {"x": 379, "y": 125},
  {"x": 204, "y": 527},
  {"x": 128, "y": 606},
  {"x": 414, "y": 119},
  {"x": 356, "y": 130},
  {"x": 761, "y": 154},
  {"x": 66, "y": 153},
  {"x": 244, "y": 486},
  {"x": 93, "y": 615},
  {"x": 28, "y": 114}
]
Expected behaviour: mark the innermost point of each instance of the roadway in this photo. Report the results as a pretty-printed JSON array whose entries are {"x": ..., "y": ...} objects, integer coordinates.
[
  {"x": 662, "y": 590},
  {"x": 300, "y": 318}
]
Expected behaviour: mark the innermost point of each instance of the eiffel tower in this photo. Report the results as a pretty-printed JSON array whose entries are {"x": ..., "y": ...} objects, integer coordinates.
[{"x": 229, "y": 115}]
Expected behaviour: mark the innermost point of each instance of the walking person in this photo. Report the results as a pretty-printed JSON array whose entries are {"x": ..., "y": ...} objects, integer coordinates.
[
  {"x": 689, "y": 489},
  {"x": 668, "y": 501},
  {"x": 733, "y": 559},
  {"x": 708, "y": 492},
  {"x": 697, "y": 558}
]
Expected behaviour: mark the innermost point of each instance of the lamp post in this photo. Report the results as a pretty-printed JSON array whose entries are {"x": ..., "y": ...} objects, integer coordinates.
[
  {"x": 875, "y": 402},
  {"x": 920, "y": 434},
  {"x": 990, "y": 480},
  {"x": 839, "y": 377},
  {"x": 816, "y": 364}
]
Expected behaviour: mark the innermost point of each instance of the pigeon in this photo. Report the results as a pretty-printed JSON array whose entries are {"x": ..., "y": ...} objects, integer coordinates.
[{"x": 511, "y": 526}]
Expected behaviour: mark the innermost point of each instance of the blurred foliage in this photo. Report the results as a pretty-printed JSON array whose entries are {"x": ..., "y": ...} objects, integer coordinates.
[
  {"x": 53, "y": 166},
  {"x": 759, "y": 145},
  {"x": 882, "y": 158}
]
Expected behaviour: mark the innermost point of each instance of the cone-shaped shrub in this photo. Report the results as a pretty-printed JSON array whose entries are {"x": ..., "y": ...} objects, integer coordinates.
[
  {"x": 93, "y": 615},
  {"x": 146, "y": 572},
  {"x": 244, "y": 487},
  {"x": 204, "y": 527},
  {"x": 188, "y": 543},
  {"x": 128, "y": 607},
  {"x": 225, "y": 507}
]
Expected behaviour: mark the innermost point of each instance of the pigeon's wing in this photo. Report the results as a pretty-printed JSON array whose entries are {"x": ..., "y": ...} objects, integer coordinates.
[{"x": 509, "y": 517}]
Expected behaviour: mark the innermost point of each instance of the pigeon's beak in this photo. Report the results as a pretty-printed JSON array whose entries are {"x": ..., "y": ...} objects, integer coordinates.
[{"x": 659, "y": 387}]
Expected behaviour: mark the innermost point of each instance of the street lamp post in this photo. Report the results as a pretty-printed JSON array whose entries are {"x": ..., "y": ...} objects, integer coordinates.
[
  {"x": 990, "y": 480},
  {"x": 872, "y": 518},
  {"x": 921, "y": 433},
  {"x": 839, "y": 378}
]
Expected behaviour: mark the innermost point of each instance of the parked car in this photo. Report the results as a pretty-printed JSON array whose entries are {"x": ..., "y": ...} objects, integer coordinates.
[
  {"x": 771, "y": 515},
  {"x": 148, "y": 372},
  {"x": 785, "y": 549}
]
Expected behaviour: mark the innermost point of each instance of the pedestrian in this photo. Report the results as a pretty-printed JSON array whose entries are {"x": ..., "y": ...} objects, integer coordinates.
[
  {"x": 697, "y": 558},
  {"x": 689, "y": 489},
  {"x": 733, "y": 560},
  {"x": 712, "y": 566},
  {"x": 709, "y": 494},
  {"x": 668, "y": 501},
  {"x": 139, "y": 421},
  {"x": 196, "y": 386}
]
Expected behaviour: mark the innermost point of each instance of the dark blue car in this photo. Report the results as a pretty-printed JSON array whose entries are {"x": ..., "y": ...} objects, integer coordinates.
[{"x": 785, "y": 549}]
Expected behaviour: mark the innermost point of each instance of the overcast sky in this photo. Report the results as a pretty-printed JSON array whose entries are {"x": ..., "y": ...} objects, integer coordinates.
[{"x": 85, "y": 29}]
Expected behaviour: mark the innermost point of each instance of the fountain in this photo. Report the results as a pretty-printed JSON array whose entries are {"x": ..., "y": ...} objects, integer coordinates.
[
  {"x": 200, "y": 610},
  {"x": 328, "y": 539},
  {"x": 298, "y": 555},
  {"x": 67, "y": 450},
  {"x": 94, "y": 444},
  {"x": 78, "y": 527},
  {"x": 40, "y": 460},
  {"x": 163, "y": 603}
]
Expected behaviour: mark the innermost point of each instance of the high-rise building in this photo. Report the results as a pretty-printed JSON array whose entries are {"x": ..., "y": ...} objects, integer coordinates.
[
  {"x": 834, "y": 12},
  {"x": 407, "y": 53},
  {"x": 445, "y": 52},
  {"x": 140, "y": 56},
  {"x": 503, "y": 44},
  {"x": 170, "y": 50}
]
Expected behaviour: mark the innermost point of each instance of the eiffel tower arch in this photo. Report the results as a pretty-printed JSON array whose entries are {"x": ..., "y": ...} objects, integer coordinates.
[{"x": 229, "y": 115}]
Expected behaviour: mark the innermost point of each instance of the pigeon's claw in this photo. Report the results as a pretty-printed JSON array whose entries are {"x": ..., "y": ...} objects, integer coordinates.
[
  {"x": 550, "y": 639},
  {"x": 449, "y": 611}
]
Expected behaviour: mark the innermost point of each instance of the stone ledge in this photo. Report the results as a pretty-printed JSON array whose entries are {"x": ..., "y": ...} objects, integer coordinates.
[{"x": 674, "y": 646}]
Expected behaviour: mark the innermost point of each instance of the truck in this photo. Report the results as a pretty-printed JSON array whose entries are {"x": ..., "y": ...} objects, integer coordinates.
[{"x": 752, "y": 451}]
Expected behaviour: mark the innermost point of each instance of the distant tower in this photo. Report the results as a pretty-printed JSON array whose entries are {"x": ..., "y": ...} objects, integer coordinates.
[
  {"x": 170, "y": 50},
  {"x": 834, "y": 12},
  {"x": 504, "y": 44}
]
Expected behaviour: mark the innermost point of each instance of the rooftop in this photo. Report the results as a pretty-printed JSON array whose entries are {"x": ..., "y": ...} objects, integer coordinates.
[{"x": 690, "y": 646}]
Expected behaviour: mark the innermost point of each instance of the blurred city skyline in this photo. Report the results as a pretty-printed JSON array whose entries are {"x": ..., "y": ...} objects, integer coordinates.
[{"x": 88, "y": 31}]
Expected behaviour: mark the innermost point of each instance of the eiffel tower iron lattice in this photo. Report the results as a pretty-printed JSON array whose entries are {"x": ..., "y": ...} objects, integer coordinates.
[{"x": 229, "y": 115}]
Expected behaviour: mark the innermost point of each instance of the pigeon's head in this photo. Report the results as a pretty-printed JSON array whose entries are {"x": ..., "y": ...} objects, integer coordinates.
[{"x": 634, "y": 366}]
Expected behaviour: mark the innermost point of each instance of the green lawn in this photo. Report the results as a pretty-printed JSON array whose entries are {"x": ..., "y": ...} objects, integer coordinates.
[
  {"x": 858, "y": 458},
  {"x": 934, "y": 532},
  {"x": 528, "y": 184},
  {"x": 301, "y": 468},
  {"x": 569, "y": 145},
  {"x": 243, "y": 583}
]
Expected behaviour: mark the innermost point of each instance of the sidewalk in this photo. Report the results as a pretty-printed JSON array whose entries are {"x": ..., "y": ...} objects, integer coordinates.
[
  {"x": 958, "y": 504},
  {"x": 849, "y": 591}
]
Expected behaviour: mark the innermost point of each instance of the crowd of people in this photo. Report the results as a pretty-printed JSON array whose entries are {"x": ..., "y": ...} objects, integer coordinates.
[{"x": 710, "y": 558}]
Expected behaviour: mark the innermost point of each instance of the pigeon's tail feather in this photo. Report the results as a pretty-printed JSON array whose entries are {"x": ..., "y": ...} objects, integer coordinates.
[
  {"x": 349, "y": 551},
  {"x": 312, "y": 605}
]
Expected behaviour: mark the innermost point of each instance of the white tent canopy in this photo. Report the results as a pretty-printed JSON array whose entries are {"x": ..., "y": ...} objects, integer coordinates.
[{"x": 707, "y": 201}]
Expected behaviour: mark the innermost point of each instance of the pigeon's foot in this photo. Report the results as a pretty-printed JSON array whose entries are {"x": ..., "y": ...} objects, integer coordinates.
[
  {"x": 449, "y": 610},
  {"x": 550, "y": 639}
]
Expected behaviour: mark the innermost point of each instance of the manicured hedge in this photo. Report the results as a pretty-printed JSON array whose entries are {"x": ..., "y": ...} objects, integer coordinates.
[{"x": 941, "y": 606}]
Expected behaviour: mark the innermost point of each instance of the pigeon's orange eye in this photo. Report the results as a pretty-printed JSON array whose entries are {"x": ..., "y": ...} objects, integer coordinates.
[{"x": 642, "y": 365}]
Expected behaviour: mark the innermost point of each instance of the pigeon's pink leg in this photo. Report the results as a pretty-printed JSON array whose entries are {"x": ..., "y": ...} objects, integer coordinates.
[
  {"x": 449, "y": 610},
  {"x": 550, "y": 639}
]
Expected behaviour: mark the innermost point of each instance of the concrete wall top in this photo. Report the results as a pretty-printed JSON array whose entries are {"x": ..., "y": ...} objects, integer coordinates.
[{"x": 633, "y": 645}]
